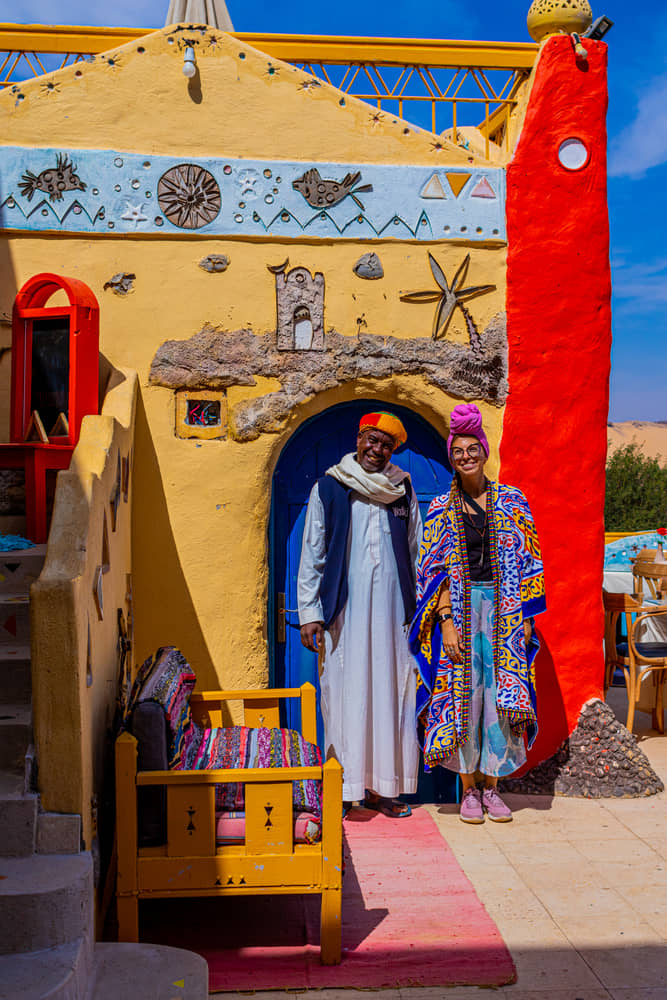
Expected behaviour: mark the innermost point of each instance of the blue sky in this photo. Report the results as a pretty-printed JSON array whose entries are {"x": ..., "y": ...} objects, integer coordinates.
[{"x": 637, "y": 126}]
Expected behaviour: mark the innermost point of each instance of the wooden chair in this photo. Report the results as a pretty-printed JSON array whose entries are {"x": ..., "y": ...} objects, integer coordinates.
[
  {"x": 650, "y": 577},
  {"x": 189, "y": 863},
  {"x": 637, "y": 659},
  {"x": 648, "y": 554}
]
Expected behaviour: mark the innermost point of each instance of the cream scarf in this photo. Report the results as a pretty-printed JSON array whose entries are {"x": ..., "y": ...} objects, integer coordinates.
[{"x": 383, "y": 487}]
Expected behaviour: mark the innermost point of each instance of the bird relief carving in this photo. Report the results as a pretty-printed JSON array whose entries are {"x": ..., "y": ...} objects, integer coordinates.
[{"x": 322, "y": 193}]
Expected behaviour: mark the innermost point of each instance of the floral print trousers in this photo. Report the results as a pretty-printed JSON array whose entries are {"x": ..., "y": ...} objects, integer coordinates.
[{"x": 491, "y": 747}]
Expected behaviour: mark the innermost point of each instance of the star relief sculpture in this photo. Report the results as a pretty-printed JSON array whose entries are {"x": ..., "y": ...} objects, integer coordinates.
[
  {"x": 449, "y": 297},
  {"x": 135, "y": 214}
]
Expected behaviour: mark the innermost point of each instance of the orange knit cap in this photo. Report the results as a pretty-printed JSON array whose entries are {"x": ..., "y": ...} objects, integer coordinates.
[{"x": 386, "y": 422}]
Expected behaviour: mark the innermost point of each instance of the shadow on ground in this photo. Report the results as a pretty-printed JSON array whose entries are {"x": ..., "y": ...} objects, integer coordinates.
[{"x": 235, "y": 923}]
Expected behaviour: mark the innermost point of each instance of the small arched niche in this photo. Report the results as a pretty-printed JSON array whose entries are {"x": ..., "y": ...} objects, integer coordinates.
[{"x": 303, "y": 329}]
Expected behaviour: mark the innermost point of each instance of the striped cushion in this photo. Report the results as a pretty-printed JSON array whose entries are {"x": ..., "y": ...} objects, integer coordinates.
[
  {"x": 230, "y": 828},
  {"x": 244, "y": 747}
]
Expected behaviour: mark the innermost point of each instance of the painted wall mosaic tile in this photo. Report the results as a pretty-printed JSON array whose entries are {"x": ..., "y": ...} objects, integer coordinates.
[{"x": 102, "y": 191}]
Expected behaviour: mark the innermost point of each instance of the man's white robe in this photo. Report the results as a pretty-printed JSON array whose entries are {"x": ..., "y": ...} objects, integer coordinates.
[{"x": 369, "y": 677}]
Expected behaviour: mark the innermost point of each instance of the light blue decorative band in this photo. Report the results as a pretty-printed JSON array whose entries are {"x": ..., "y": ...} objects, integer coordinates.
[{"x": 102, "y": 191}]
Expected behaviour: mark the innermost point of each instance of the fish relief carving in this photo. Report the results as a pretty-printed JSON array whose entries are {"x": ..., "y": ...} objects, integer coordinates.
[
  {"x": 324, "y": 194},
  {"x": 53, "y": 181}
]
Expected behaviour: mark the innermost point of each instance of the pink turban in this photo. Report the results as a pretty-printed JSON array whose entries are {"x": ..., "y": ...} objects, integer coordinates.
[{"x": 466, "y": 421}]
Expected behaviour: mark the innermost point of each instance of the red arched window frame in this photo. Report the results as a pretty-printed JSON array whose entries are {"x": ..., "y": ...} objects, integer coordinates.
[
  {"x": 82, "y": 316},
  {"x": 43, "y": 455}
]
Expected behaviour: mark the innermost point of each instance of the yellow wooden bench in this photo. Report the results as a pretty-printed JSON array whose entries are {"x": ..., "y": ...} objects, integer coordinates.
[{"x": 190, "y": 864}]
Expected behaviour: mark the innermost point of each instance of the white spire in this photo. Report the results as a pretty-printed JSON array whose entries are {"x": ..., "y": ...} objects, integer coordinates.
[{"x": 211, "y": 12}]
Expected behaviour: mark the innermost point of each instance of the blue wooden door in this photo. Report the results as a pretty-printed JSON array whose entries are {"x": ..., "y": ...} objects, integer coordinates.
[{"x": 318, "y": 444}]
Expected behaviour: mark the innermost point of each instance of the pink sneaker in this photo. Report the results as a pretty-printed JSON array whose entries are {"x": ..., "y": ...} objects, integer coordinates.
[
  {"x": 495, "y": 807},
  {"x": 471, "y": 807}
]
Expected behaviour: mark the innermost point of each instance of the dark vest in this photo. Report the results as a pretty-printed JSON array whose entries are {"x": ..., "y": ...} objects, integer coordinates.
[{"x": 336, "y": 500}]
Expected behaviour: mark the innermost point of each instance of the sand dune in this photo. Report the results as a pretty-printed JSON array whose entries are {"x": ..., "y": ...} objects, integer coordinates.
[{"x": 651, "y": 437}]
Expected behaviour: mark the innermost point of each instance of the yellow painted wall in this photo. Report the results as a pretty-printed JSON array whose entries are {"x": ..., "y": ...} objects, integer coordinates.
[
  {"x": 75, "y": 655},
  {"x": 201, "y": 508}
]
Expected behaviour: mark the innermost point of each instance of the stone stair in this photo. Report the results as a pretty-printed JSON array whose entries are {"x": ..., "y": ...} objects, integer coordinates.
[
  {"x": 19, "y": 804},
  {"x": 46, "y": 882},
  {"x": 47, "y": 945}
]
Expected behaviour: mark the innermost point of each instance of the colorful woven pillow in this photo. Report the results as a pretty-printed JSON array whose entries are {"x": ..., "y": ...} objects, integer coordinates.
[
  {"x": 168, "y": 681},
  {"x": 244, "y": 747}
]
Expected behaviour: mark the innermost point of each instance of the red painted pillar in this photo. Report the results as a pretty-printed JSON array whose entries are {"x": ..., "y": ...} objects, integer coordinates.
[{"x": 559, "y": 330}]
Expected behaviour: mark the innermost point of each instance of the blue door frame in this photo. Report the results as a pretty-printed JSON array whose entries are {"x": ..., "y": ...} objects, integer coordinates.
[{"x": 315, "y": 446}]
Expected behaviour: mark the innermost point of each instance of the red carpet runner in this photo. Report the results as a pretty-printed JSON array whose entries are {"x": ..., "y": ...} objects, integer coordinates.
[{"x": 410, "y": 918}]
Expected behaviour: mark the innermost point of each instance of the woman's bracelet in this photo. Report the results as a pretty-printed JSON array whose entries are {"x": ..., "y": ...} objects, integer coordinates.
[{"x": 443, "y": 617}]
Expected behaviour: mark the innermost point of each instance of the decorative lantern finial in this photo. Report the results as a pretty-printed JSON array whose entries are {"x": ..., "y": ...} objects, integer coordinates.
[{"x": 558, "y": 17}]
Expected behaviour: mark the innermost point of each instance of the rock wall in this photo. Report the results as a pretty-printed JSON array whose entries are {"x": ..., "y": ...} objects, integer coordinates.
[{"x": 217, "y": 359}]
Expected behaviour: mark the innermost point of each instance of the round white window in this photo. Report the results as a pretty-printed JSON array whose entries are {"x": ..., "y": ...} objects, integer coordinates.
[{"x": 572, "y": 154}]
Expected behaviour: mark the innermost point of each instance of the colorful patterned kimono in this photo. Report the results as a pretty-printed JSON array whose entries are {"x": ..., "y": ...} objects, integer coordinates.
[{"x": 443, "y": 687}]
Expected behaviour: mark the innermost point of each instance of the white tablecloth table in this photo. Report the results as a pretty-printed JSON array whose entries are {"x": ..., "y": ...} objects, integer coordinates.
[{"x": 650, "y": 630}]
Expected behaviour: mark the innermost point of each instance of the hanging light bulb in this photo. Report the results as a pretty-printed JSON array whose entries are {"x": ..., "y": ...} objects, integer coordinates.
[{"x": 189, "y": 65}]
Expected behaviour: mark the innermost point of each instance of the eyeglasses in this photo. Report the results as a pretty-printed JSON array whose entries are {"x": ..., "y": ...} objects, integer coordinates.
[{"x": 473, "y": 451}]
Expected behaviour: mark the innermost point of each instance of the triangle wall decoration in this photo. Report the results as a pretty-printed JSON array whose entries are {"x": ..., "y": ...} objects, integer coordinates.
[
  {"x": 457, "y": 182},
  {"x": 483, "y": 190},
  {"x": 10, "y": 625},
  {"x": 433, "y": 188}
]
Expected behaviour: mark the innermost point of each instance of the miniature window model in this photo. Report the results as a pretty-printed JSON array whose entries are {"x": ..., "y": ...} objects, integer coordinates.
[{"x": 201, "y": 413}]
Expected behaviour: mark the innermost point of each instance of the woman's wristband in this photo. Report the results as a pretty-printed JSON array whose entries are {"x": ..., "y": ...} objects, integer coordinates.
[{"x": 443, "y": 617}]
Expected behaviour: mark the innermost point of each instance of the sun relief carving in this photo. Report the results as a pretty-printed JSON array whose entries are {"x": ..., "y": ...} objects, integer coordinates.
[{"x": 189, "y": 196}]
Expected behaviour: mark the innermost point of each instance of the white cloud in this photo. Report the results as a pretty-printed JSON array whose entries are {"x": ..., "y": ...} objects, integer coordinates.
[
  {"x": 643, "y": 143},
  {"x": 645, "y": 283}
]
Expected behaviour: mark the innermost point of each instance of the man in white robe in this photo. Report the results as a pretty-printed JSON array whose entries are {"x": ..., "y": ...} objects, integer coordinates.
[{"x": 356, "y": 596}]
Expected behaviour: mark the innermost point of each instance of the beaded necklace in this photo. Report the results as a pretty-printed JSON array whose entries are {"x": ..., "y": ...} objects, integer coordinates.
[{"x": 467, "y": 516}]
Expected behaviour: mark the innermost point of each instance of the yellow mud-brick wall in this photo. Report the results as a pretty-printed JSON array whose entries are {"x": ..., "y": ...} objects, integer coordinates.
[
  {"x": 201, "y": 508},
  {"x": 74, "y": 635}
]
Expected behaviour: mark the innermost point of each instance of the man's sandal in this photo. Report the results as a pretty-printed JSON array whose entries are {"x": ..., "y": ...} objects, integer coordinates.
[{"x": 388, "y": 807}]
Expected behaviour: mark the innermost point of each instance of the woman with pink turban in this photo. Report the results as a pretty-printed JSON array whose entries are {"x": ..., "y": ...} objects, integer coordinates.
[{"x": 479, "y": 586}]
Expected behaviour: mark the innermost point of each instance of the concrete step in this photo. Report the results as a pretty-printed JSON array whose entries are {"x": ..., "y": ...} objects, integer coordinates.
[
  {"x": 58, "y": 833},
  {"x": 19, "y": 568},
  {"x": 15, "y": 674},
  {"x": 19, "y": 817},
  {"x": 62, "y": 973},
  {"x": 149, "y": 972},
  {"x": 45, "y": 901},
  {"x": 14, "y": 618},
  {"x": 15, "y": 737}
]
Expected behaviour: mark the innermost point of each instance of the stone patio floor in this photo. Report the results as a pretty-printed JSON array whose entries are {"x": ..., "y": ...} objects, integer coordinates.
[{"x": 577, "y": 887}]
